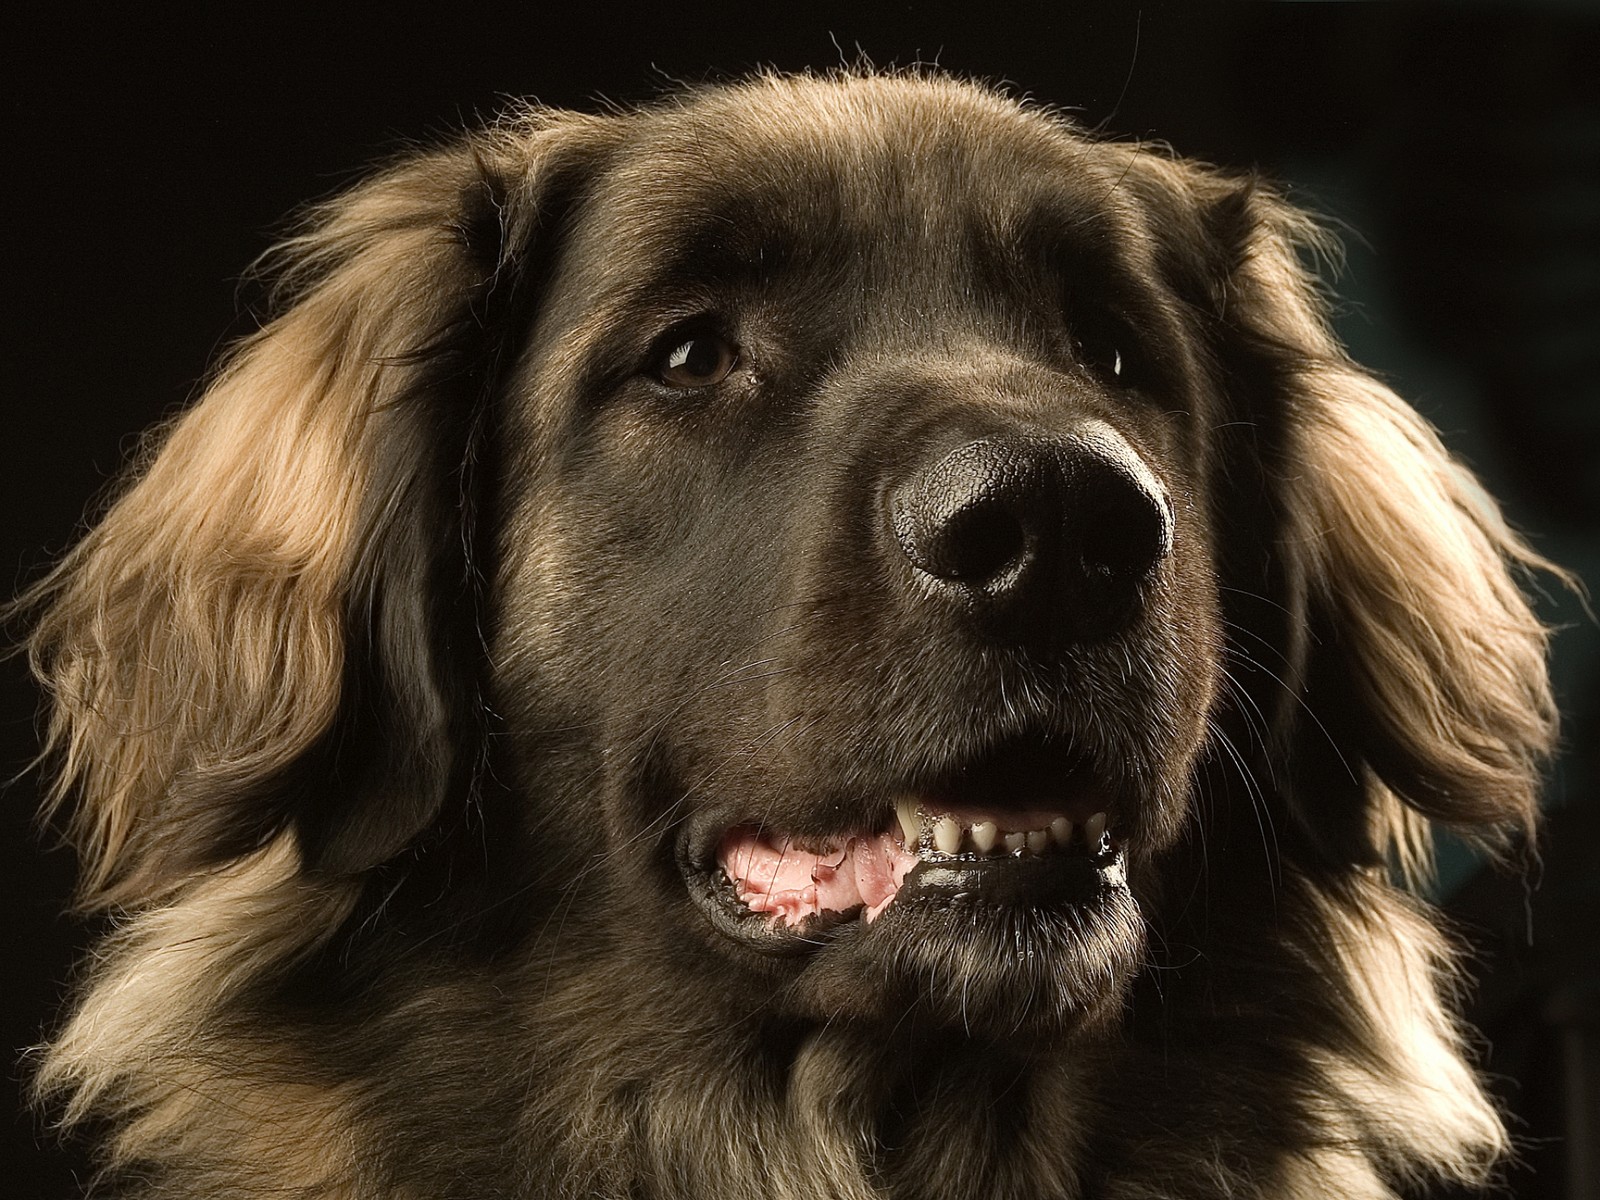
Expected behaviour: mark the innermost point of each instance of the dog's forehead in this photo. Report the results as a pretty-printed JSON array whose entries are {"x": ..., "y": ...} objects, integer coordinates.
[{"x": 838, "y": 160}]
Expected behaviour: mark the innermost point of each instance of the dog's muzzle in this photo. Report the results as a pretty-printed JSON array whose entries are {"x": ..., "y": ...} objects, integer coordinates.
[{"x": 1039, "y": 541}]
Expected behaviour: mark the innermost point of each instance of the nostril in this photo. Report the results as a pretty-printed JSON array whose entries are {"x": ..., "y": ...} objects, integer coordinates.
[
  {"x": 1125, "y": 534},
  {"x": 977, "y": 543},
  {"x": 977, "y": 513}
]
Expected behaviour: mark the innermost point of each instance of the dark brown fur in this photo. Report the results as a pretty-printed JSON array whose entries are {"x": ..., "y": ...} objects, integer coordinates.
[{"x": 392, "y": 688}]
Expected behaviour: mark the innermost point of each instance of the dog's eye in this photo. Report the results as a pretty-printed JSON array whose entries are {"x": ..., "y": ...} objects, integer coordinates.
[
  {"x": 1107, "y": 350},
  {"x": 697, "y": 361}
]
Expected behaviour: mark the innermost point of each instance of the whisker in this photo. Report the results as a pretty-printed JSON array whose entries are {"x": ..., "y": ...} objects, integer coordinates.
[{"x": 1258, "y": 802}]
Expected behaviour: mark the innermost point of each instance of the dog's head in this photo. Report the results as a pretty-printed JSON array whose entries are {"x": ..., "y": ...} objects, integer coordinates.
[
  {"x": 859, "y": 529},
  {"x": 865, "y": 536}
]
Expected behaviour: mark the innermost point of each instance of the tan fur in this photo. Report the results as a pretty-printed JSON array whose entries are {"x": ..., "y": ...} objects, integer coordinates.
[
  {"x": 194, "y": 635},
  {"x": 144, "y": 1044},
  {"x": 1410, "y": 556},
  {"x": 1409, "y": 546},
  {"x": 1413, "y": 1066}
]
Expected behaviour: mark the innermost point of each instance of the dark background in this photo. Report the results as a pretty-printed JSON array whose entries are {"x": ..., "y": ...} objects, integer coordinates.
[{"x": 149, "y": 159}]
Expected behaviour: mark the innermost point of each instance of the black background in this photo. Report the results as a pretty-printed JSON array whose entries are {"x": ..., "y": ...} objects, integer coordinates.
[{"x": 149, "y": 159}]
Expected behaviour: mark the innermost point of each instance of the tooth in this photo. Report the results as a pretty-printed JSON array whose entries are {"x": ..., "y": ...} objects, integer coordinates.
[
  {"x": 1061, "y": 831},
  {"x": 1038, "y": 840},
  {"x": 947, "y": 835},
  {"x": 1094, "y": 829},
  {"x": 984, "y": 834},
  {"x": 910, "y": 823},
  {"x": 1014, "y": 842}
]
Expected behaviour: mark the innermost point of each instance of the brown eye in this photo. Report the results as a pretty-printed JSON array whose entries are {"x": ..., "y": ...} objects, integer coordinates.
[{"x": 698, "y": 361}]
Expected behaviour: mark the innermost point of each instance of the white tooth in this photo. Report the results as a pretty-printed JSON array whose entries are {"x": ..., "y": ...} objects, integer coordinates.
[
  {"x": 947, "y": 835},
  {"x": 1014, "y": 842},
  {"x": 1061, "y": 831},
  {"x": 910, "y": 824},
  {"x": 1094, "y": 829},
  {"x": 1038, "y": 840},
  {"x": 984, "y": 834}
]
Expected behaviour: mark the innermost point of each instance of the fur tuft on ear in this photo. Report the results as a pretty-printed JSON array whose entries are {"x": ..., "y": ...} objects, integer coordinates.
[
  {"x": 1424, "y": 663},
  {"x": 1441, "y": 648},
  {"x": 267, "y": 629}
]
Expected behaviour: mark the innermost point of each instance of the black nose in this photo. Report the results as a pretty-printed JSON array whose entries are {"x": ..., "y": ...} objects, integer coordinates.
[{"x": 1040, "y": 538}]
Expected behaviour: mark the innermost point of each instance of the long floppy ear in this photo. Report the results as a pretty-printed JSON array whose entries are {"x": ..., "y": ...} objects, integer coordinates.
[
  {"x": 275, "y": 626},
  {"x": 1422, "y": 670}
]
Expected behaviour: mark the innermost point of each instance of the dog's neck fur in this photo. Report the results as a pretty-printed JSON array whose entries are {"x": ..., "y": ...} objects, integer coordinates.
[
  {"x": 680, "y": 1101},
  {"x": 857, "y": 1111}
]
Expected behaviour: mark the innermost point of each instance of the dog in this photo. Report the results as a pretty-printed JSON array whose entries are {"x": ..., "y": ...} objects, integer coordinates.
[{"x": 827, "y": 637}]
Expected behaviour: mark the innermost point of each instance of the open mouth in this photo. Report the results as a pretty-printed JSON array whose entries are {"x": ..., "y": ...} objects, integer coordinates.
[{"x": 1033, "y": 831}]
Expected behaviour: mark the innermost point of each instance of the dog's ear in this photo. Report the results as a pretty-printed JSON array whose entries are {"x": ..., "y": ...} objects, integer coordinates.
[
  {"x": 1413, "y": 668},
  {"x": 275, "y": 627}
]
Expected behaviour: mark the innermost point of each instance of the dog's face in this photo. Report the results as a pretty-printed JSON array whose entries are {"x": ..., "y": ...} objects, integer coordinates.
[
  {"x": 826, "y": 638},
  {"x": 857, "y": 519}
]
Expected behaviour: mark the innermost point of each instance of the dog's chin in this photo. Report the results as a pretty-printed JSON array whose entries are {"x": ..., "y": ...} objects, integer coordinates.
[
  {"x": 1044, "y": 958},
  {"x": 992, "y": 919}
]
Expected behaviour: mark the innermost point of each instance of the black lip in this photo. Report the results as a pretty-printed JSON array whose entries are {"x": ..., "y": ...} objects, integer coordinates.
[
  {"x": 1058, "y": 880},
  {"x": 714, "y": 893}
]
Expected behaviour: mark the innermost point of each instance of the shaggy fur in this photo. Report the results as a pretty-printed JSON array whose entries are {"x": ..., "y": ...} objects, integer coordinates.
[{"x": 402, "y": 692}]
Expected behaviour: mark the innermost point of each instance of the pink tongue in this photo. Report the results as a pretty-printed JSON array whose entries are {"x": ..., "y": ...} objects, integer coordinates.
[{"x": 794, "y": 884}]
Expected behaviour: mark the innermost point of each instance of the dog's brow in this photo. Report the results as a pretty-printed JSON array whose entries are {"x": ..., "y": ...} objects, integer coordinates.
[
  {"x": 736, "y": 246},
  {"x": 1062, "y": 234}
]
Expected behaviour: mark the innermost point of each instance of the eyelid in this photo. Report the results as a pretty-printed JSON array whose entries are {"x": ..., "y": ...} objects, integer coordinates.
[{"x": 685, "y": 329}]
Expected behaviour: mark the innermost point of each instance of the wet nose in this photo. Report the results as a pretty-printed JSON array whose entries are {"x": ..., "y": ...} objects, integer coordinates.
[{"x": 1037, "y": 537}]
